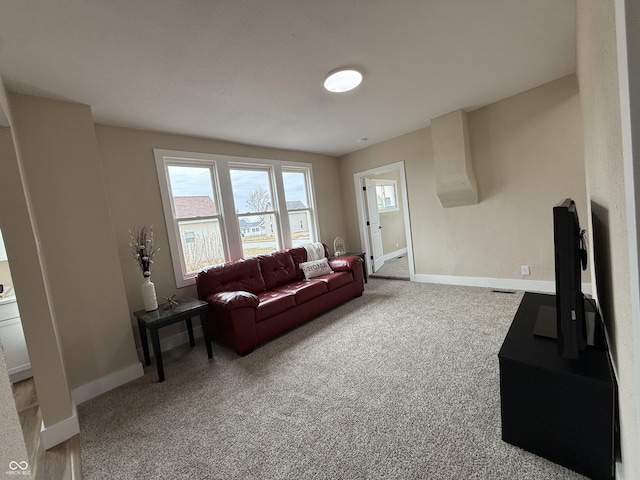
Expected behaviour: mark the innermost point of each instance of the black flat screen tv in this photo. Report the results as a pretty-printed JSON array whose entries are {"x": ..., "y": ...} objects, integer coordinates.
[{"x": 570, "y": 259}]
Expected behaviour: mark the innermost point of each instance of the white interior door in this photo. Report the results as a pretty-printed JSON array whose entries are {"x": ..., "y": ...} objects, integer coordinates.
[{"x": 373, "y": 225}]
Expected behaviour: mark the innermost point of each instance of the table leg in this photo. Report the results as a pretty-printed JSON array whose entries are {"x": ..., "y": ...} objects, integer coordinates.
[
  {"x": 364, "y": 267},
  {"x": 144, "y": 342},
  {"x": 155, "y": 341},
  {"x": 192, "y": 341},
  {"x": 205, "y": 334}
]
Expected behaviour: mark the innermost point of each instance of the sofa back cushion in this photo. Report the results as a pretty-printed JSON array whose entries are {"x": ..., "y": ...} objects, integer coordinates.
[
  {"x": 278, "y": 269},
  {"x": 299, "y": 255},
  {"x": 242, "y": 274}
]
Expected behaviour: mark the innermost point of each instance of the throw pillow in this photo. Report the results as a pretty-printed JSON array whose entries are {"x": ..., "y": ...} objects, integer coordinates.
[{"x": 315, "y": 268}]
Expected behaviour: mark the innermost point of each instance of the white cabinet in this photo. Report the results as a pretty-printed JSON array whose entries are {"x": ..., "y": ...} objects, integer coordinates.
[
  {"x": 12, "y": 340},
  {"x": 3, "y": 252}
]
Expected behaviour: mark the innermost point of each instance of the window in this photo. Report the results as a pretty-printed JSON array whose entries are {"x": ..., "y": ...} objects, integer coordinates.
[
  {"x": 386, "y": 195},
  {"x": 196, "y": 216},
  {"x": 253, "y": 199},
  {"x": 219, "y": 208},
  {"x": 296, "y": 191}
]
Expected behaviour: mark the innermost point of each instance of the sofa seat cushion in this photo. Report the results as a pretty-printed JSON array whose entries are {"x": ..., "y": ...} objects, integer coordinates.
[
  {"x": 274, "y": 302},
  {"x": 277, "y": 269},
  {"x": 305, "y": 290},
  {"x": 336, "y": 280}
]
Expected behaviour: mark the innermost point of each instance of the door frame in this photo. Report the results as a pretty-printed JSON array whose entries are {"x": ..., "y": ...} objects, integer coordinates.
[{"x": 358, "y": 180}]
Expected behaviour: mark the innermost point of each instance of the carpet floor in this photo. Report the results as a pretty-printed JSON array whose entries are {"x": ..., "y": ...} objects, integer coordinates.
[
  {"x": 395, "y": 268},
  {"x": 401, "y": 383}
]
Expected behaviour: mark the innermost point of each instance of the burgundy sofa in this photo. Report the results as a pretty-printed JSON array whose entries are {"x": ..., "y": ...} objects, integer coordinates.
[{"x": 254, "y": 299}]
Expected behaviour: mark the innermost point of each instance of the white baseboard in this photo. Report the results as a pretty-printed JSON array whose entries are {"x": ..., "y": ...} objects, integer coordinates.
[
  {"x": 61, "y": 431},
  {"x": 395, "y": 254},
  {"x": 17, "y": 375},
  {"x": 501, "y": 283},
  {"x": 167, "y": 343},
  {"x": 104, "y": 384},
  {"x": 98, "y": 387}
]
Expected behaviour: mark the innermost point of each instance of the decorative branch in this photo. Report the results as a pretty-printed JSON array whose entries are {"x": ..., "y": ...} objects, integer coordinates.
[{"x": 143, "y": 248}]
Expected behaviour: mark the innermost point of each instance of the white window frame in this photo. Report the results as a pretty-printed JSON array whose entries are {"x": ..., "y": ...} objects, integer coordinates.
[
  {"x": 313, "y": 222},
  {"x": 165, "y": 159},
  {"x": 229, "y": 226}
]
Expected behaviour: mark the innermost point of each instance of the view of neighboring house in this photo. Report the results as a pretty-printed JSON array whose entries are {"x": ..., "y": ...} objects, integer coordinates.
[
  {"x": 199, "y": 231},
  {"x": 298, "y": 222},
  {"x": 194, "y": 206},
  {"x": 249, "y": 228}
]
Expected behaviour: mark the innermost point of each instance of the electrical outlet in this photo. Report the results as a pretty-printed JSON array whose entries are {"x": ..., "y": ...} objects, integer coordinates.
[{"x": 524, "y": 270}]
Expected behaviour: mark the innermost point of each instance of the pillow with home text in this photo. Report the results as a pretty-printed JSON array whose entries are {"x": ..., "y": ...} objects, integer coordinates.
[{"x": 315, "y": 268}]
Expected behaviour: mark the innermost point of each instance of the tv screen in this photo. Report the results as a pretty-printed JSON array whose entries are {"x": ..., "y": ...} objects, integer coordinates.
[{"x": 570, "y": 260}]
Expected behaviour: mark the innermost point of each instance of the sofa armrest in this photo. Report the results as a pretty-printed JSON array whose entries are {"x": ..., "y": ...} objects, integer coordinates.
[
  {"x": 345, "y": 263},
  {"x": 233, "y": 300}
]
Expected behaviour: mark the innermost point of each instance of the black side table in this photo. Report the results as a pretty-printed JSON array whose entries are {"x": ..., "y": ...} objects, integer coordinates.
[
  {"x": 364, "y": 262},
  {"x": 185, "y": 310}
]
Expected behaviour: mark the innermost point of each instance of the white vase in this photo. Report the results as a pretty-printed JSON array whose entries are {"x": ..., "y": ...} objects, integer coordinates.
[{"x": 149, "y": 295}]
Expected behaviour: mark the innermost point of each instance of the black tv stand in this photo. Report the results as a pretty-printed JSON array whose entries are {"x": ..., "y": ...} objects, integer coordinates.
[
  {"x": 546, "y": 325},
  {"x": 560, "y": 409}
]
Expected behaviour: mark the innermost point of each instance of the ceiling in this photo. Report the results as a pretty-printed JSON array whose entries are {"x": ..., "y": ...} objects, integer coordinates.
[{"x": 251, "y": 71}]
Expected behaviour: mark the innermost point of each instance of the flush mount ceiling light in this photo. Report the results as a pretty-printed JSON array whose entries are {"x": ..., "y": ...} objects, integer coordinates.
[{"x": 342, "y": 80}]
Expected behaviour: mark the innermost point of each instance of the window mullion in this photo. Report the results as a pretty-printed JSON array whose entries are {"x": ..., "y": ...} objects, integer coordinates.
[
  {"x": 230, "y": 218},
  {"x": 311, "y": 197},
  {"x": 282, "y": 216}
]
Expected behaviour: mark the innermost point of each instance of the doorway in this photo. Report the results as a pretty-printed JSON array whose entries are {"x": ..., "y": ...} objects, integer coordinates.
[{"x": 383, "y": 221}]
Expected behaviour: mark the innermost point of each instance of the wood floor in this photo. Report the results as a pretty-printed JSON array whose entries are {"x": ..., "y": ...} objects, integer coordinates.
[{"x": 61, "y": 462}]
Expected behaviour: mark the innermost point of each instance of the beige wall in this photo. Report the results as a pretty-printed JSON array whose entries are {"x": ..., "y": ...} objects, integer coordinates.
[
  {"x": 12, "y": 447},
  {"x": 410, "y": 148},
  {"x": 39, "y": 327},
  {"x": 599, "y": 89},
  {"x": 58, "y": 149},
  {"x": 134, "y": 196},
  {"x": 527, "y": 156}
]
